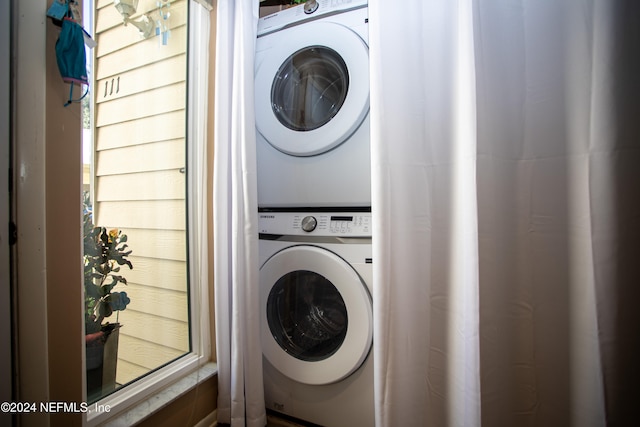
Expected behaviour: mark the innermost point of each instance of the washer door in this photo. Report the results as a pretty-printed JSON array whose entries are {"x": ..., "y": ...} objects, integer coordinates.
[
  {"x": 312, "y": 88},
  {"x": 316, "y": 315}
]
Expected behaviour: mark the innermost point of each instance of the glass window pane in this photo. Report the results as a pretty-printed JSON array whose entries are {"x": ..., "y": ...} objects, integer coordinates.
[{"x": 135, "y": 197}]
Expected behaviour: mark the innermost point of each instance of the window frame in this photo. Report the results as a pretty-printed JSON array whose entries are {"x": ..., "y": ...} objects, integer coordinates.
[
  {"x": 48, "y": 345},
  {"x": 198, "y": 284}
]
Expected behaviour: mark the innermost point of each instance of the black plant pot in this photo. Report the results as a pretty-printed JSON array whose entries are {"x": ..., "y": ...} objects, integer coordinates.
[{"x": 101, "y": 360}]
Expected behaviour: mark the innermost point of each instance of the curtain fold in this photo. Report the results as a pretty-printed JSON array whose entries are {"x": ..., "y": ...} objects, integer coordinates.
[
  {"x": 505, "y": 210},
  {"x": 241, "y": 396}
]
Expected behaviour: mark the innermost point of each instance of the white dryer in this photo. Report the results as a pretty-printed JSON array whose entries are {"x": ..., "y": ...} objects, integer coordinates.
[
  {"x": 316, "y": 316},
  {"x": 312, "y": 106}
]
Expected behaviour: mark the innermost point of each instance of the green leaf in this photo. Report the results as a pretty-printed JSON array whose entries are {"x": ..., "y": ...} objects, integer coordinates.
[
  {"x": 104, "y": 308},
  {"x": 92, "y": 291}
]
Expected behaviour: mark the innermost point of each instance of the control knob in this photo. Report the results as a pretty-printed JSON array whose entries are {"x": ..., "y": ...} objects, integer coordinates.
[
  {"x": 310, "y": 6},
  {"x": 309, "y": 223}
]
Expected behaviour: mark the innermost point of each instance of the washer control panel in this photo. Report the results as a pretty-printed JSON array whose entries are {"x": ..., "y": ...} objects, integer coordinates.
[
  {"x": 312, "y": 9},
  {"x": 344, "y": 224}
]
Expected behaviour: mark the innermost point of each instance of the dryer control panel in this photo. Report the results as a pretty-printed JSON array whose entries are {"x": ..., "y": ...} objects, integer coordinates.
[
  {"x": 303, "y": 13},
  {"x": 343, "y": 224}
]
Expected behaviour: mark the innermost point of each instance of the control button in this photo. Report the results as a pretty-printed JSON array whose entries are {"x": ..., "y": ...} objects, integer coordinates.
[
  {"x": 309, "y": 223},
  {"x": 310, "y": 6}
]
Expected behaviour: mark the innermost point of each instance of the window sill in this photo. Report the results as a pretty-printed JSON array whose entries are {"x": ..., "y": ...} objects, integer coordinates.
[{"x": 162, "y": 398}]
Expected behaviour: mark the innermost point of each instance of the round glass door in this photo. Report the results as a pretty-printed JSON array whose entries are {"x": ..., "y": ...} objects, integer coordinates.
[
  {"x": 307, "y": 316},
  {"x": 311, "y": 87},
  {"x": 316, "y": 315}
]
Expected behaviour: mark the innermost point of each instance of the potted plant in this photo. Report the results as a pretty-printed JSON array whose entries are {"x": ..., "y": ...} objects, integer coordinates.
[{"x": 105, "y": 252}]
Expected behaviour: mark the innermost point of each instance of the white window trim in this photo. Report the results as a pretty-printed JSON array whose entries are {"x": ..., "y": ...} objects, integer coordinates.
[{"x": 134, "y": 400}]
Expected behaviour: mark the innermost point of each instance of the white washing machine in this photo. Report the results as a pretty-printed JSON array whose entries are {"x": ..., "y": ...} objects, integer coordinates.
[
  {"x": 316, "y": 316},
  {"x": 312, "y": 106}
]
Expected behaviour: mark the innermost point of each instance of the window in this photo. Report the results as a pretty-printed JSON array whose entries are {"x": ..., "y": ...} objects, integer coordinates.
[{"x": 143, "y": 180}]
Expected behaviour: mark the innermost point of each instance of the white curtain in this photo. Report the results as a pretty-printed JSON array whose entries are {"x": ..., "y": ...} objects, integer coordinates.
[
  {"x": 241, "y": 396},
  {"x": 506, "y": 202}
]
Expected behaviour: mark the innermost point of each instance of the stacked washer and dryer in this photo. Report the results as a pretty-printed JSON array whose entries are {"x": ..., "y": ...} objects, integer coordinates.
[{"x": 314, "y": 198}]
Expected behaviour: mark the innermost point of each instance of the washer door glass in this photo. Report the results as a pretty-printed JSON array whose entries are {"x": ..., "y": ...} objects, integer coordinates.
[
  {"x": 307, "y": 316},
  {"x": 309, "y": 88}
]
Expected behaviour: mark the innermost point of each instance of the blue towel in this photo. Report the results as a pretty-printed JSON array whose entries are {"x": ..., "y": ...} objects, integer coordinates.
[{"x": 71, "y": 56}]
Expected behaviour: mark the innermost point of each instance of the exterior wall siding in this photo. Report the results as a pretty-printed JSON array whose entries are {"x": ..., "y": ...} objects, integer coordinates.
[{"x": 140, "y": 99}]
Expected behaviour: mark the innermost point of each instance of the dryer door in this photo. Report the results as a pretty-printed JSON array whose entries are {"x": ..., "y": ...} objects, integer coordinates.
[
  {"x": 316, "y": 315},
  {"x": 312, "y": 87}
]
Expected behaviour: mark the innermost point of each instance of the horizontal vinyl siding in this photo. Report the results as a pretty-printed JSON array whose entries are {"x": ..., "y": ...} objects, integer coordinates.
[
  {"x": 168, "y": 245},
  {"x": 149, "y": 298},
  {"x": 167, "y": 274},
  {"x": 156, "y": 185},
  {"x": 142, "y": 79},
  {"x": 162, "y": 127},
  {"x": 154, "y": 102},
  {"x": 141, "y": 54},
  {"x": 139, "y": 356},
  {"x": 140, "y": 95},
  {"x": 154, "y": 328},
  {"x": 155, "y": 214},
  {"x": 159, "y": 156}
]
